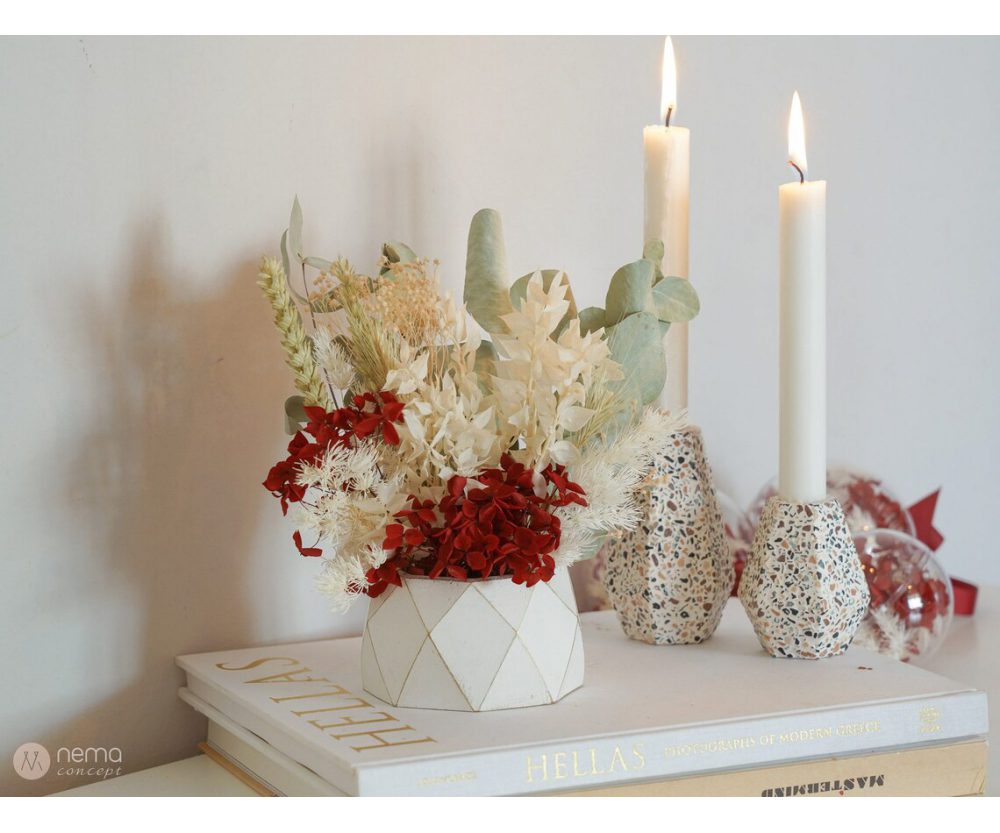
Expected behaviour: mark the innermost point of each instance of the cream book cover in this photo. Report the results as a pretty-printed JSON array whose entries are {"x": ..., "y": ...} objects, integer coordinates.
[
  {"x": 645, "y": 712},
  {"x": 951, "y": 769}
]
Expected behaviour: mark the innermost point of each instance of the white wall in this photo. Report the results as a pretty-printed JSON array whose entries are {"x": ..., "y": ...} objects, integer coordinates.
[{"x": 142, "y": 383}]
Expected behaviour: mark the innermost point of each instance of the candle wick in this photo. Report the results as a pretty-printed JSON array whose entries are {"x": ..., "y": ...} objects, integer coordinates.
[
  {"x": 802, "y": 176},
  {"x": 666, "y": 118}
]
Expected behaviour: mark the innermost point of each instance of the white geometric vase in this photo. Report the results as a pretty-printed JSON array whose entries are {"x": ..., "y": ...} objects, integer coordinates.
[{"x": 473, "y": 645}]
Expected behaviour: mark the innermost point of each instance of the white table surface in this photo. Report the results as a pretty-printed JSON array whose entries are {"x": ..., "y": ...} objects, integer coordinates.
[{"x": 970, "y": 654}]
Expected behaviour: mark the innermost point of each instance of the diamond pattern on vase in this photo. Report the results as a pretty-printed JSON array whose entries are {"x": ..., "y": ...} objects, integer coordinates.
[
  {"x": 473, "y": 640},
  {"x": 548, "y": 631},
  {"x": 564, "y": 590},
  {"x": 670, "y": 577},
  {"x": 473, "y": 646},
  {"x": 397, "y": 633},
  {"x": 518, "y": 682},
  {"x": 371, "y": 674},
  {"x": 803, "y": 586},
  {"x": 511, "y": 606},
  {"x": 574, "y": 670},
  {"x": 433, "y": 602},
  {"x": 430, "y": 677}
]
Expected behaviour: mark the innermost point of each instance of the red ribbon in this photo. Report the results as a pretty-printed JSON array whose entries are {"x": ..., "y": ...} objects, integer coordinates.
[
  {"x": 922, "y": 513},
  {"x": 965, "y": 597}
]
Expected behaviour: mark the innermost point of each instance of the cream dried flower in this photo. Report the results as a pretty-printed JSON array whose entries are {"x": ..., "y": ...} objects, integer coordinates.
[
  {"x": 342, "y": 580},
  {"x": 408, "y": 300},
  {"x": 611, "y": 475},
  {"x": 541, "y": 382},
  {"x": 332, "y": 359}
]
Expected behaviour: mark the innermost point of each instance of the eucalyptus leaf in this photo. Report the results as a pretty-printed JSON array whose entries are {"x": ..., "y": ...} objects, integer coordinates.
[
  {"x": 318, "y": 263},
  {"x": 486, "y": 274},
  {"x": 486, "y": 361},
  {"x": 295, "y": 414},
  {"x": 675, "y": 300},
  {"x": 630, "y": 291},
  {"x": 288, "y": 277},
  {"x": 519, "y": 291},
  {"x": 284, "y": 253},
  {"x": 295, "y": 230},
  {"x": 591, "y": 319},
  {"x": 653, "y": 250},
  {"x": 396, "y": 252},
  {"x": 636, "y": 345}
]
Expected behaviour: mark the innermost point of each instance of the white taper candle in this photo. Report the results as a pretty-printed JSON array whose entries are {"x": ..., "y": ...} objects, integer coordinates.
[
  {"x": 802, "y": 399},
  {"x": 667, "y": 188}
]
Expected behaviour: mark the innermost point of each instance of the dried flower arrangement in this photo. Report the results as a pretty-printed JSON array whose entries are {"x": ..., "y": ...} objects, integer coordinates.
[{"x": 421, "y": 447}]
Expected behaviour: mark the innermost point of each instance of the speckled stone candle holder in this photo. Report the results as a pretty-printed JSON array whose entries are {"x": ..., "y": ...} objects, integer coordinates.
[
  {"x": 669, "y": 578},
  {"x": 803, "y": 586}
]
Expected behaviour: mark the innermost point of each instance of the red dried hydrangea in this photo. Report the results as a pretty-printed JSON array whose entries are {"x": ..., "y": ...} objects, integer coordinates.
[
  {"x": 504, "y": 526},
  {"x": 367, "y": 413}
]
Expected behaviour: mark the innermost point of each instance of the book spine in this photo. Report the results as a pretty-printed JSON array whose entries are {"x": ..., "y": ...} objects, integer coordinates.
[
  {"x": 202, "y": 698},
  {"x": 936, "y": 770},
  {"x": 953, "y": 770},
  {"x": 685, "y": 750}
]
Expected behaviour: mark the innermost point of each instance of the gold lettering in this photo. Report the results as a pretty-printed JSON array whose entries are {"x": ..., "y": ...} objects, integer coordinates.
[
  {"x": 381, "y": 741},
  {"x": 638, "y": 754},
  {"x": 338, "y": 691},
  {"x": 559, "y": 759},
  {"x": 543, "y": 766},
  {"x": 576, "y": 768},
  {"x": 257, "y": 662},
  {"x": 348, "y": 720},
  {"x": 291, "y": 677},
  {"x": 594, "y": 769},
  {"x": 616, "y": 758}
]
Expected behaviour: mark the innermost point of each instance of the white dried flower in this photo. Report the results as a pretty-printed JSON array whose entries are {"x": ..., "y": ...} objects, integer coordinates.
[
  {"x": 332, "y": 359},
  {"x": 342, "y": 580},
  {"x": 611, "y": 476}
]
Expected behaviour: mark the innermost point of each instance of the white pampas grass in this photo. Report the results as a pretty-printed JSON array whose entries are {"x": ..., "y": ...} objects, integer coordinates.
[
  {"x": 332, "y": 359},
  {"x": 611, "y": 475}
]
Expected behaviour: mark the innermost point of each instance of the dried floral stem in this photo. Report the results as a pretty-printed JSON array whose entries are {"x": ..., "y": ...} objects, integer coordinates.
[
  {"x": 315, "y": 327},
  {"x": 373, "y": 350},
  {"x": 298, "y": 347}
]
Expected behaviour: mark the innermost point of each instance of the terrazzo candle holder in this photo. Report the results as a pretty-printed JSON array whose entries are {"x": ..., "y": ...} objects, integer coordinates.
[
  {"x": 803, "y": 586},
  {"x": 669, "y": 578}
]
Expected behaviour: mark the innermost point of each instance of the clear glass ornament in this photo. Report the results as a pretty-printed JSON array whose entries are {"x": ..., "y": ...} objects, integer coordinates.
[{"x": 911, "y": 596}]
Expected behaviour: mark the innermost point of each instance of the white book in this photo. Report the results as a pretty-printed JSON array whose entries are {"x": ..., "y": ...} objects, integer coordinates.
[
  {"x": 948, "y": 769},
  {"x": 645, "y": 712}
]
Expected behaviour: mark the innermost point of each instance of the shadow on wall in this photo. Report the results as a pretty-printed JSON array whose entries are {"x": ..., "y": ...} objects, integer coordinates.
[{"x": 165, "y": 497}]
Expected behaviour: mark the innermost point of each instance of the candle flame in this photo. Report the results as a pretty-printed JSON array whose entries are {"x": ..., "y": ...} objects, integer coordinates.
[
  {"x": 797, "y": 137},
  {"x": 668, "y": 94}
]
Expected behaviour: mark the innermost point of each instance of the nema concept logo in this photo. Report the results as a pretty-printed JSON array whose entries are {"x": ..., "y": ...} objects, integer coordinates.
[{"x": 31, "y": 760}]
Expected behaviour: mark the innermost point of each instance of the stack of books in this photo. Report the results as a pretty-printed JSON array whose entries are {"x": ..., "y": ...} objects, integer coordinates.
[{"x": 718, "y": 719}]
